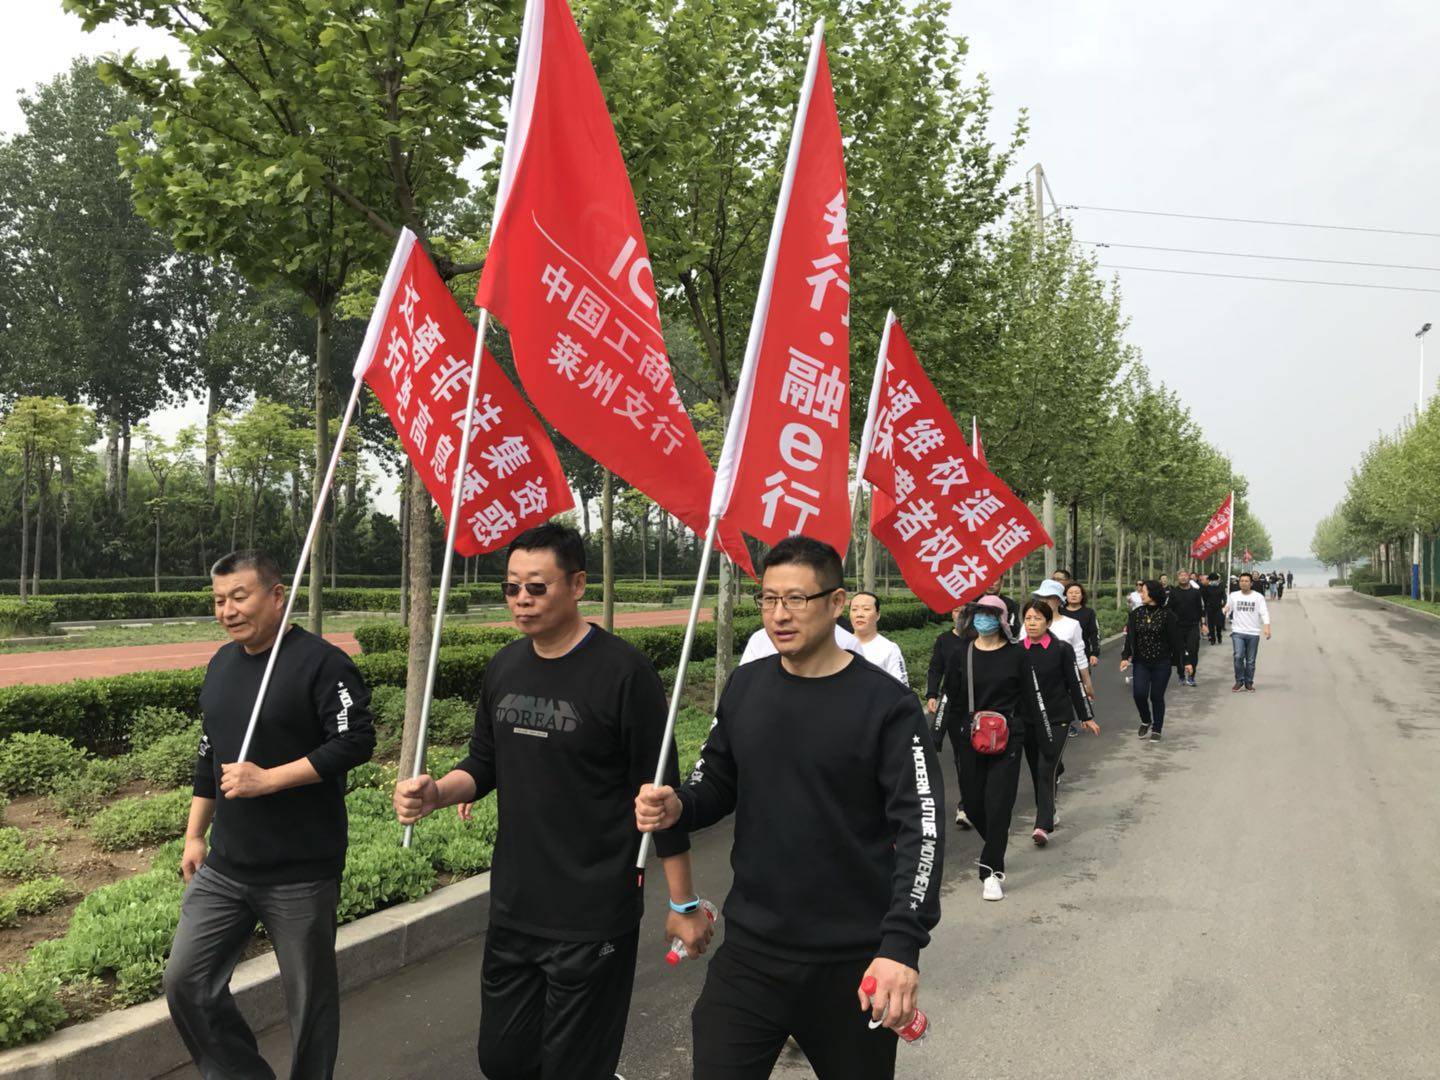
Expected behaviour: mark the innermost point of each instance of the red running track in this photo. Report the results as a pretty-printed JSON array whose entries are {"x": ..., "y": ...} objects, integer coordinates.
[{"x": 63, "y": 665}]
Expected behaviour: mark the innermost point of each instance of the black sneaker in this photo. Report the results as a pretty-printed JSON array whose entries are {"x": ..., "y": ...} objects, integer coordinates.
[
  {"x": 1154, "y": 736},
  {"x": 1144, "y": 730},
  {"x": 1250, "y": 687},
  {"x": 1239, "y": 686}
]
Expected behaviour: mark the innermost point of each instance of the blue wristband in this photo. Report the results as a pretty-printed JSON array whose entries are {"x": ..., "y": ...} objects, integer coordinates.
[{"x": 687, "y": 908}]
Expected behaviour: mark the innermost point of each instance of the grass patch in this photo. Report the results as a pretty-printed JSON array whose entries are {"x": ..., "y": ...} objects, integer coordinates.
[{"x": 141, "y": 820}]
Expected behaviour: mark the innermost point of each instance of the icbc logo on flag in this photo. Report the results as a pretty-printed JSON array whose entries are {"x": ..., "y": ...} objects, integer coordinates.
[
  {"x": 417, "y": 359},
  {"x": 953, "y": 525},
  {"x": 786, "y": 463}
]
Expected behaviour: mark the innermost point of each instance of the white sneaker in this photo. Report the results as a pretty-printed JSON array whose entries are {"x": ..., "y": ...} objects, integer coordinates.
[
  {"x": 991, "y": 889},
  {"x": 962, "y": 820}
]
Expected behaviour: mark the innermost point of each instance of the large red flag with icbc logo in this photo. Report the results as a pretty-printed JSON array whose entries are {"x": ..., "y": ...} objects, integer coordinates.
[
  {"x": 425, "y": 346},
  {"x": 954, "y": 526},
  {"x": 1217, "y": 532},
  {"x": 785, "y": 466},
  {"x": 569, "y": 275}
]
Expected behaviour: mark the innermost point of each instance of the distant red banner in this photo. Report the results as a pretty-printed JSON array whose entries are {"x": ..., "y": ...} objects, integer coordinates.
[{"x": 1217, "y": 533}]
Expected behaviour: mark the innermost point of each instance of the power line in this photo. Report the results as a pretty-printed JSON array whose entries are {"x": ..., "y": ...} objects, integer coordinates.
[
  {"x": 1252, "y": 277},
  {"x": 1253, "y": 221},
  {"x": 1268, "y": 258}
]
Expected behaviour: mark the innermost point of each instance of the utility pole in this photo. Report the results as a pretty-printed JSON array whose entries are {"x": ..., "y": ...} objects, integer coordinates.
[
  {"x": 1419, "y": 408},
  {"x": 1047, "y": 506}
]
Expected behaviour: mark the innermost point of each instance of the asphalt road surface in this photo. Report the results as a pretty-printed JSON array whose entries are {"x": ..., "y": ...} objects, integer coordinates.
[{"x": 1256, "y": 896}]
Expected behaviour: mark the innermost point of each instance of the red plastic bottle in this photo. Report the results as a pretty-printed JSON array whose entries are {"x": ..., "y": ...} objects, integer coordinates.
[
  {"x": 678, "y": 951},
  {"x": 912, "y": 1032}
]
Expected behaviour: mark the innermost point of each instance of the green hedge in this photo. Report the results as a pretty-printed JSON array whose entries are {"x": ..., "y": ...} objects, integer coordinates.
[
  {"x": 96, "y": 712},
  {"x": 139, "y": 605},
  {"x": 1375, "y": 588},
  {"x": 190, "y": 583},
  {"x": 624, "y": 594},
  {"x": 26, "y": 618}
]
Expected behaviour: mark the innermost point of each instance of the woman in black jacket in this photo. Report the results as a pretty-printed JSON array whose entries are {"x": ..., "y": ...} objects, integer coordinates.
[
  {"x": 1003, "y": 683},
  {"x": 1053, "y": 662},
  {"x": 1152, "y": 643}
]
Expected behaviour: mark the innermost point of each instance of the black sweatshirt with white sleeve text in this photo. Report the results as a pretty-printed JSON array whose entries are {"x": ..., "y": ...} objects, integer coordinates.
[
  {"x": 566, "y": 742},
  {"x": 837, "y": 797},
  {"x": 317, "y": 708}
]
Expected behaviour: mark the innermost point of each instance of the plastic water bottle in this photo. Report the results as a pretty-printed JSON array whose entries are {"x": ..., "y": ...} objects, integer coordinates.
[
  {"x": 912, "y": 1032},
  {"x": 678, "y": 951}
]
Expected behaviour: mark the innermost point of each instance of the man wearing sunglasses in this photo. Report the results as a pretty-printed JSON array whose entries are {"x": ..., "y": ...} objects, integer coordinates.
[
  {"x": 569, "y": 723},
  {"x": 826, "y": 762}
]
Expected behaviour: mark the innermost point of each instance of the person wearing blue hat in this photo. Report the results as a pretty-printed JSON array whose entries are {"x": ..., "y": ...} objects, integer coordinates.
[{"x": 1067, "y": 629}]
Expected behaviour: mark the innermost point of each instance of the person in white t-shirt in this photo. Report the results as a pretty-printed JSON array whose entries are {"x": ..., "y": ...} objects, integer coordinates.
[
  {"x": 1067, "y": 630},
  {"x": 1134, "y": 599},
  {"x": 877, "y": 648},
  {"x": 1249, "y": 617},
  {"x": 760, "y": 646}
]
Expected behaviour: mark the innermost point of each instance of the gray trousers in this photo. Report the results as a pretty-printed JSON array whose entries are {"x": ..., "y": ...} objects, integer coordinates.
[{"x": 217, "y": 918}]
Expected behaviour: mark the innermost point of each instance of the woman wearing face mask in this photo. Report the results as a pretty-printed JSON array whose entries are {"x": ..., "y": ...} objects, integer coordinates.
[
  {"x": 1003, "y": 683},
  {"x": 1053, "y": 662},
  {"x": 1153, "y": 644}
]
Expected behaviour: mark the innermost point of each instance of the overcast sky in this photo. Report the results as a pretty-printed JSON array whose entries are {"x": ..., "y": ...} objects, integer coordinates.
[{"x": 1319, "y": 112}]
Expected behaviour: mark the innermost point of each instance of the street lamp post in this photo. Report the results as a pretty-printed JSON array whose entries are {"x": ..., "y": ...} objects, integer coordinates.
[{"x": 1419, "y": 408}]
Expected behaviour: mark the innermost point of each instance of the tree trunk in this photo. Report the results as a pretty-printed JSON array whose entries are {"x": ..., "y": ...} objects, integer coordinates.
[
  {"x": 868, "y": 562},
  {"x": 660, "y": 547},
  {"x": 322, "y": 459},
  {"x": 123, "y": 489},
  {"x": 112, "y": 455},
  {"x": 29, "y": 455},
  {"x": 607, "y": 552},
  {"x": 157, "y": 544},
  {"x": 1120, "y": 565},
  {"x": 421, "y": 624},
  {"x": 406, "y": 482},
  {"x": 584, "y": 513},
  {"x": 724, "y": 624},
  {"x": 62, "y": 519},
  {"x": 42, "y": 496},
  {"x": 645, "y": 546}
]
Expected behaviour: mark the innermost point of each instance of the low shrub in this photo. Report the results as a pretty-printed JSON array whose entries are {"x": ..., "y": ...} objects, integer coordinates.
[
  {"x": 381, "y": 637},
  {"x": 380, "y": 873},
  {"x": 36, "y": 762},
  {"x": 34, "y": 897},
  {"x": 170, "y": 760},
  {"x": 80, "y": 796},
  {"x": 22, "y": 860},
  {"x": 451, "y": 721},
  {"x": 26, "y": 618},
  {"x": 122, "y": 930},
  {"x": 29, "y": 1009},
  {"x": 371, "y": 774},
  {"x": 152, "y": 723},
  {"x": 172, "y": 583},
  {"x": 141, "y": 820},
  {"x": 459, "y": 847},
  {"x": 1377, "y": 588}
]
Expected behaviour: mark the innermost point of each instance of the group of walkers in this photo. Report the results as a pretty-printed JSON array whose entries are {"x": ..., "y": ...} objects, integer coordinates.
[{"x": 819, "y": 749}]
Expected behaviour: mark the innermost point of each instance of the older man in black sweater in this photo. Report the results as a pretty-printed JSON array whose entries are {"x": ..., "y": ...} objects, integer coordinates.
[
  {"x": 277, "y": 828},
  {"x": 1188, "y": 604}
]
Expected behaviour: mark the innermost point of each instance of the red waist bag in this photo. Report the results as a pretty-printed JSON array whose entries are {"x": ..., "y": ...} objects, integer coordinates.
[{"x": 989, "y": 731}]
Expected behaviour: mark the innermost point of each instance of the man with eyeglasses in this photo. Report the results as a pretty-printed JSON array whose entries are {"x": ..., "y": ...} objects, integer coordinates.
[
  {"x": 569, "y": 723},
  {"x": 826, "y": 762}
]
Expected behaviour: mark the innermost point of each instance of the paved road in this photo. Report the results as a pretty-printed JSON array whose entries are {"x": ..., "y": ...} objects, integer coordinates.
[
  {"x": 1256, "y": 896},
  {"x": 63, "y": 665}
]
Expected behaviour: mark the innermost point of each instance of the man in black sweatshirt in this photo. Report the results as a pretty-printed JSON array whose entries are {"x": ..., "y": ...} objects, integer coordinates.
[
  {"x": 1189, "y": 607},
  {"x": 569, "y": 726},
  {"x": 827, "y": 764},
  {"x": 278, "y": 830}
]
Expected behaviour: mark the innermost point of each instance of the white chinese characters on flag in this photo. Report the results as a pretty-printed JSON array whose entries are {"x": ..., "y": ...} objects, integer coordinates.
[
  {"x": 1217, "y": 533},
  {"x": 569, "y": 275},
  {"x": 955, "y": 526},
  {"x": 416, "y": 358},
  {"x": 785, "y": 465}
]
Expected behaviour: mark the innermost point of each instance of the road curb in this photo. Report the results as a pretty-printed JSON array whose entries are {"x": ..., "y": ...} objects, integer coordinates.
[
  {"x": 141, "y": 1041},
  {"x": 1385, "y": 601}
]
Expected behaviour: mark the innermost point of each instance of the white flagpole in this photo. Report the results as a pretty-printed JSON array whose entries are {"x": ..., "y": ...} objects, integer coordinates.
[
  {"x": 362, "y": 362},
  {"x": 1230, "y": 547},
  {"x": 451, "y": 531},
  {"x": 739, "y": 420},
  {"x": 315, "y": 517},
  {"x": 522, "y": 97},
  {"x": 867, "y": 436}
]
